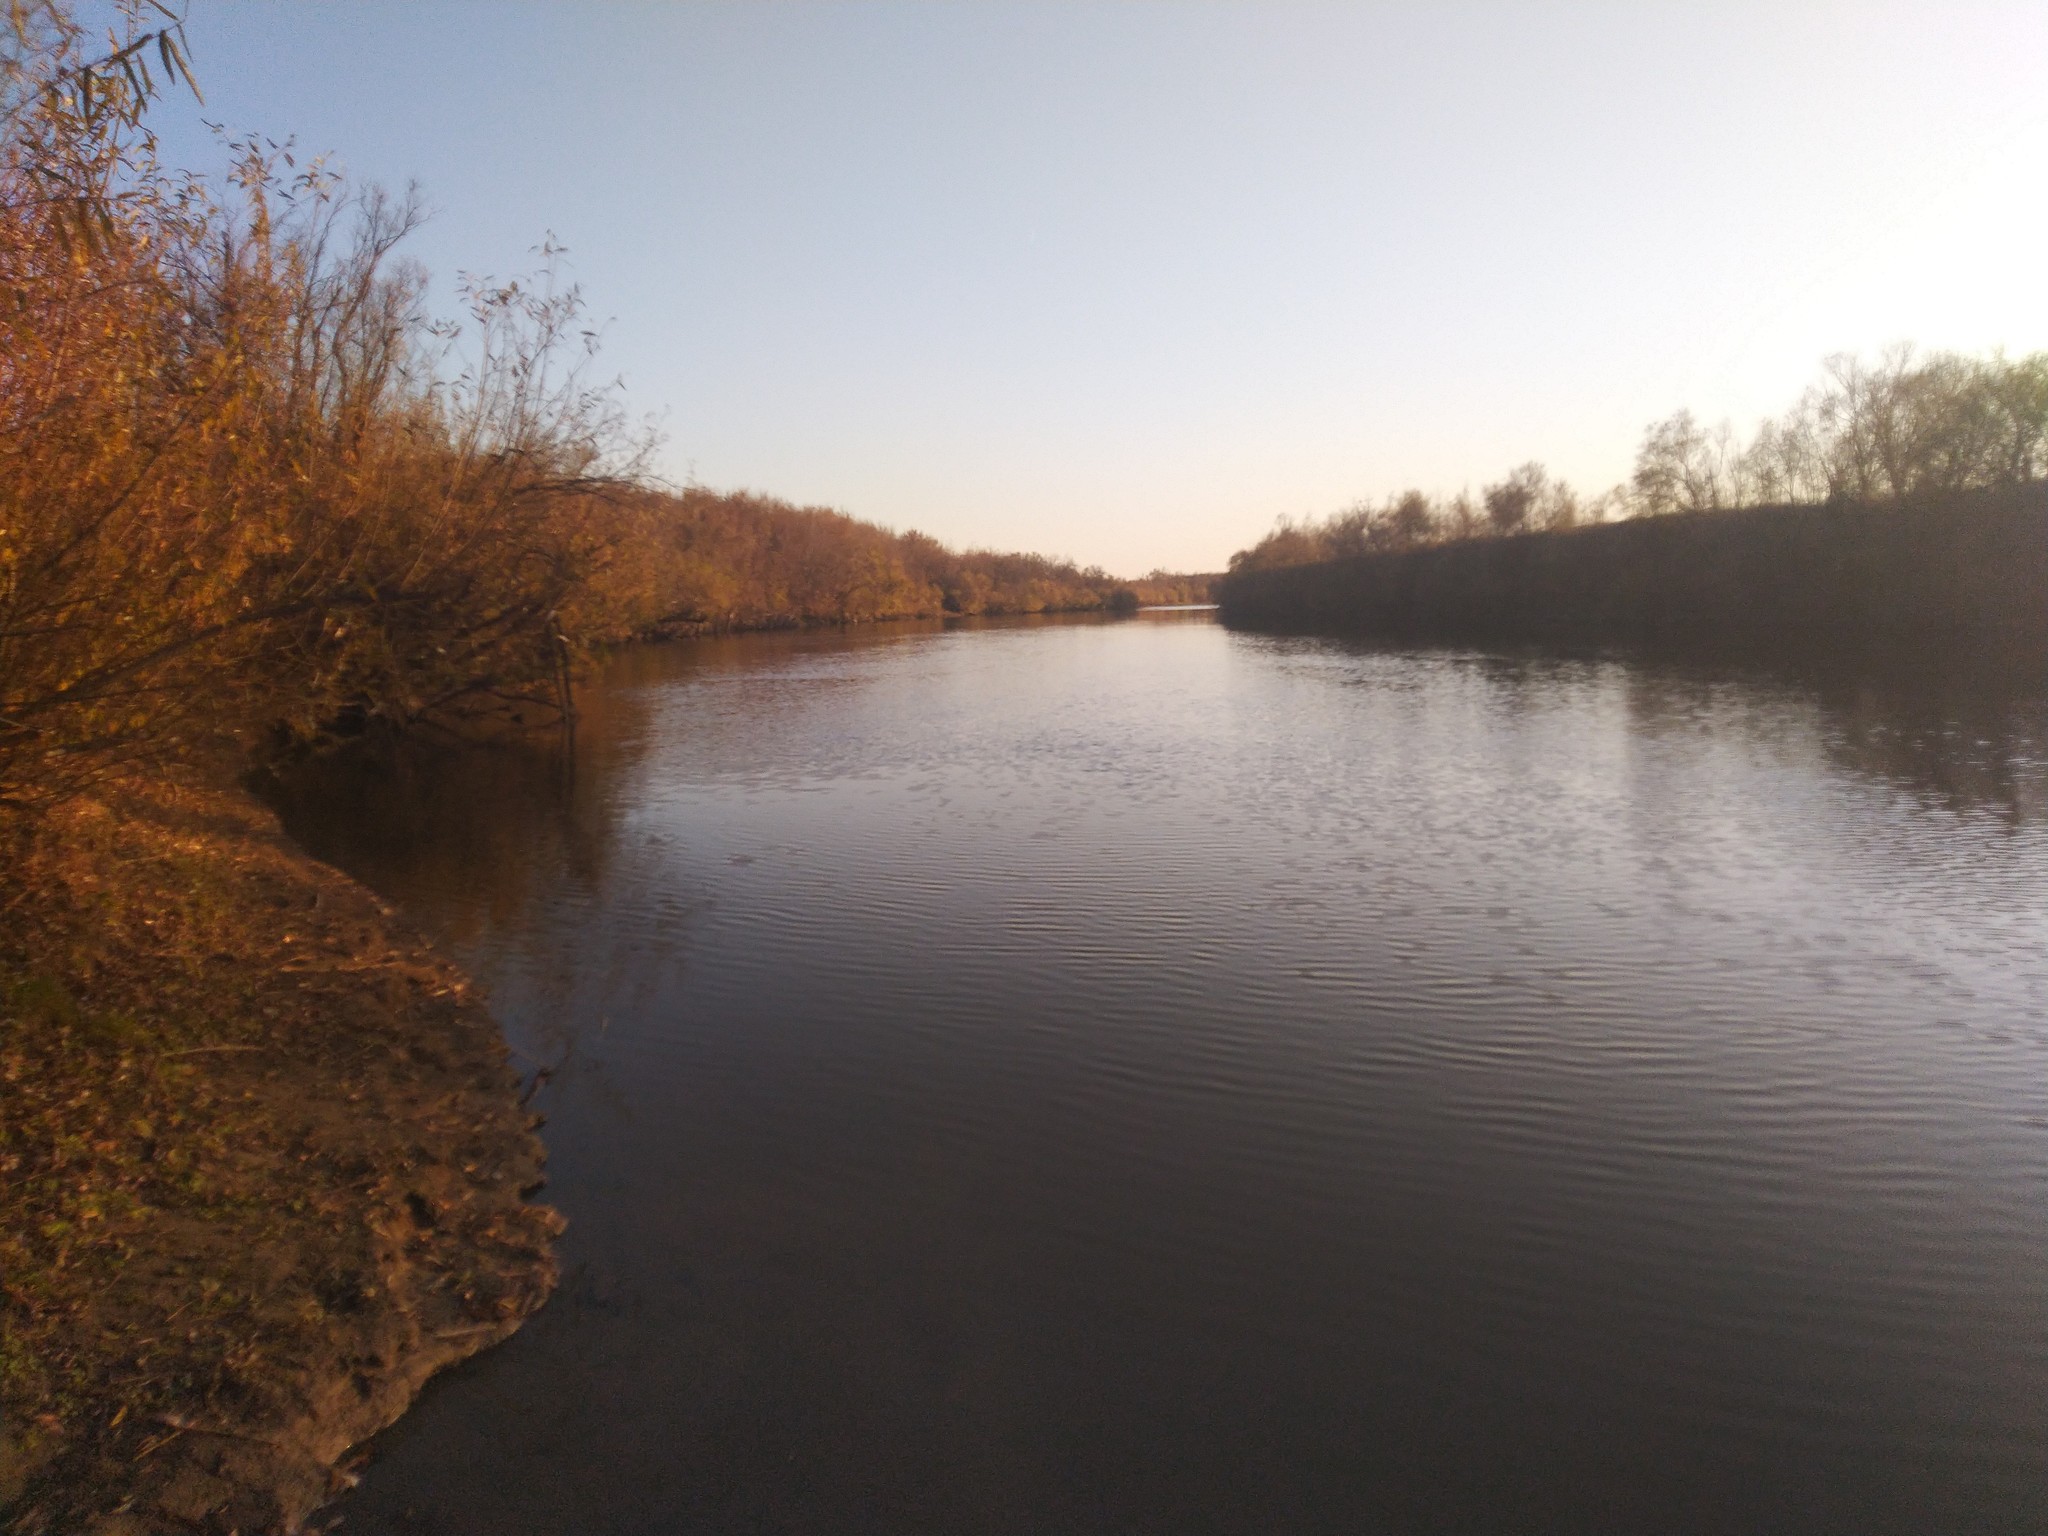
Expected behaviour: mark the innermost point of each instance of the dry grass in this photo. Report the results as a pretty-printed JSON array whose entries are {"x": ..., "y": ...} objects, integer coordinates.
[{"x": 263, "y": 1164}]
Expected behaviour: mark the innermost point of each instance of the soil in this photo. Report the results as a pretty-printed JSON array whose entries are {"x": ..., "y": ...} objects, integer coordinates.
[{"x": 264, "y": 1169}]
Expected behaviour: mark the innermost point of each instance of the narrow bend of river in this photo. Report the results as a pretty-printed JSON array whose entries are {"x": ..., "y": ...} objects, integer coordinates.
[{"x": 1134, "y": 1077}]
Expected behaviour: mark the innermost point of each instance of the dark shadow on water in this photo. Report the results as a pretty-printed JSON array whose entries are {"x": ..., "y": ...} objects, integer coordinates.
[{"x": 1961, "y": 727}]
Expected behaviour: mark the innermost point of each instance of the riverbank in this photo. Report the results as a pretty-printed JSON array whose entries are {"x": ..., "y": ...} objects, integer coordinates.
[
  {"x": 1968, "y": 568},
  {"x": 266, "y": 1163}
]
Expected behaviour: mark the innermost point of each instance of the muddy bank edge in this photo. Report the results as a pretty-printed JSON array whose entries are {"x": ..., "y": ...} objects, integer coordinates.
[{"x": 264, "y": 1163}]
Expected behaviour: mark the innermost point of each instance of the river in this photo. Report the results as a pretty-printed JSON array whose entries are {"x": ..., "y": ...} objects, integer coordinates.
[{"x": 1137, "y": 1077}]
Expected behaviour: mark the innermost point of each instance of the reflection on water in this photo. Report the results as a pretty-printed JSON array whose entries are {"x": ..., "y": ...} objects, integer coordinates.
[{"x": 1133, "y": 1077}]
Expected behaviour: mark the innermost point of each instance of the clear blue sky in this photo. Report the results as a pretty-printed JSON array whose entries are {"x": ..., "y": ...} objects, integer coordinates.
[{"x": 1126, "y": 281}]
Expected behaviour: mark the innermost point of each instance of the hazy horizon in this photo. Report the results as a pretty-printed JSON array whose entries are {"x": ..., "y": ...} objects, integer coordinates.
[{"x": 1126, "y": 283}]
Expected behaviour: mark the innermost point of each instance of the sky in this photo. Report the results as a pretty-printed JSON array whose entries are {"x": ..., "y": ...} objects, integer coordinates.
[{"x": 1124, "y": 282}]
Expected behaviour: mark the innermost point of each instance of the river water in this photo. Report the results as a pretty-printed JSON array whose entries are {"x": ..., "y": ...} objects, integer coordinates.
[{"x": 1135, "y": 1077}]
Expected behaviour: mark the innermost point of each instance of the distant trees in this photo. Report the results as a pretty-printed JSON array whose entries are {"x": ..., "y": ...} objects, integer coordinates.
[
  {"x": 1908, "y": 424},
  {"x": 1169, "y": 588},
  {"x": 1681, "y": 467},
  {"x": 1511, "y": 505},
  {"x": 1905, "y": 425},
  {"x": 1410, "y": 520},
  {"x": 740, "y": 560},
  {"x": 1526, "y": 499}
]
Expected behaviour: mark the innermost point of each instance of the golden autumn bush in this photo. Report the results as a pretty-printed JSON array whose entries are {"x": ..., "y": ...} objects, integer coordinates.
[
  {"x": 242, "y": 477},
  {"x": 738, "y": 560}
]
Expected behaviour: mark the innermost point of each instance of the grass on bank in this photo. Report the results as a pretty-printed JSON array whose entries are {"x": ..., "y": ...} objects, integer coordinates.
[{"x": 264, "y": 1170}]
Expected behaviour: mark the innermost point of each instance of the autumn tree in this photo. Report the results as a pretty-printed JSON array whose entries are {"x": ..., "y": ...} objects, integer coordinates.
[
  {"x": 1685, "y": 467},
  {"x": 1907, "y": 424},
  {"x": 1512, "y": 502},
  {"x": 243, "y": 478}
]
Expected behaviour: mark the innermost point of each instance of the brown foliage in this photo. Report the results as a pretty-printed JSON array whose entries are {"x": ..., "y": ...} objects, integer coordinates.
[
  {"x": 712, "y": 560},
  {"x": 242, "y": 478}
]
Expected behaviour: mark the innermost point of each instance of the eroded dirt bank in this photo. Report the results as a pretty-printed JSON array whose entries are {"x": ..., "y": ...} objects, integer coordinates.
[{"x": 263, "y": 1170}]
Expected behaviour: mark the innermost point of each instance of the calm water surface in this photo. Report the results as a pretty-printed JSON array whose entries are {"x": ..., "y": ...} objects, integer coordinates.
[{"x": 1139, "y": 1078}]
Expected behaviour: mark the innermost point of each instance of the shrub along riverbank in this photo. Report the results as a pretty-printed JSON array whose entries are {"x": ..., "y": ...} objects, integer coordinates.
[
  {"x": 1968, "y": 567},
  {"x": 263, "y": 1160},
  {"x": 730, "y": 561}
]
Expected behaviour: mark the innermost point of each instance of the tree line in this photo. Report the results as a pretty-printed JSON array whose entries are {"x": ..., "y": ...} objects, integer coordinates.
[
  {"x": 740, "y": 560},
  {"x": 1908, "y": 425},
  {"x": 248, "y": 482}
]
